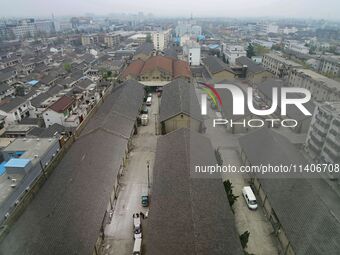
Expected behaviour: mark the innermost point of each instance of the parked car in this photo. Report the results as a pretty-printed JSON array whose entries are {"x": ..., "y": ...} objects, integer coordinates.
[
  {"x": 250, "y": 198},
  {"x": 144, "y": 110},
  {"x": 137, "y": 247},
  {"x": 149, "y": 101}
]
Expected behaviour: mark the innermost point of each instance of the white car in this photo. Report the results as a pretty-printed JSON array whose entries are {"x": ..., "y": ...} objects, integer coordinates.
[{"x": 250, "y": 198}]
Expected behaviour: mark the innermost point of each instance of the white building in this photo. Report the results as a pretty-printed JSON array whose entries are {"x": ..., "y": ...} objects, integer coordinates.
[
  {"x": 15, "y": 109},
  {"x": 192, "y": 50},
  {"x": 298, "y": 47},
  {"x": 232, "y": 52},
  {"x": 323, "y": 139},
  {"x": 61, "y": 112},
  {"x": 161, "y": 39},
  {"x": 189, "y": 28}
]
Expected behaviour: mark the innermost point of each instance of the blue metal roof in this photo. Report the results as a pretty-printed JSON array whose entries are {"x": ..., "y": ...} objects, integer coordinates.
[
  {"x": 32, "y": 82},
  {"x": 2, "y": 168},
  {"x": 17, "y": 162}
]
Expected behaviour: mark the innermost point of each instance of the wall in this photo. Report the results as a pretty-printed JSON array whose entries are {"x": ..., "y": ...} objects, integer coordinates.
[{"x": 180, "y": 121}]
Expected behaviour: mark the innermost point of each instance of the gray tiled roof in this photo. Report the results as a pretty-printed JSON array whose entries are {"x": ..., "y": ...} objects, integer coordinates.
[
  {"x": 215, "y": 65},
  {"x": 179, "y": 96},
  {"x": 145, "y": 48},
  {"x": 12, "y": 104},
  {"x": 188, "y": 215},
  {"x": 251, "y": 65},
  {"x": 120, "y": 111},
  {"x": 36, "y": 102},
  {"x": 65, "y": 216},
  {"x": 309, "y": 219}
]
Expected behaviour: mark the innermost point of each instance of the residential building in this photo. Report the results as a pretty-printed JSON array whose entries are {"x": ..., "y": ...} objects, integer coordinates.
[
  {"x": 189, "y": 28},
  {"x": 321, "y": 87},
  {"x": 217, "y": 69},
  {"x": 176, "y": 155},
  {"x": 192, "y": 50},
  {"x": 61, "y": 112},
  {"x": 89, "y": 39},
  {"x": 161, "y": 39},
  {"x": 24, "y": 28},
  {"x": 112, "y": 39},
  {"x": 44, "y": 26},
  {"x": 330, "y": 66},
  {"x": 298, "y": 47},
  {"x": 278, "y": 65},
  {"x": 180, "y": 108},
  {"x": 232, "y": 52},
  {"x": 255, "y": 73},
  {"x": 323, "y": 139},
  {"x": 15, "y": 109}
]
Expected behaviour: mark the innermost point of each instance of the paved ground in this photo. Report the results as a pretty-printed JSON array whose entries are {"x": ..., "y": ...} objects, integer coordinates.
[
  {"x": 119, "y": 237},
  {"x": 261, "y": 240}
]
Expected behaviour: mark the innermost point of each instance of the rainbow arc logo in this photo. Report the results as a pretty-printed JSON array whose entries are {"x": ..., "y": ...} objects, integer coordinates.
[{"x": 212, "y": 93}]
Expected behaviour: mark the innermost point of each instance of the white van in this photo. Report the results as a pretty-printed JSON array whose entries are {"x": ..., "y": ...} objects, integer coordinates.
[
  {"x": 136, "y": 222},
  {"x": 249, "y": 196},
  {"x": 137, "y": 247},
  {"x": 149, "y": 101}
]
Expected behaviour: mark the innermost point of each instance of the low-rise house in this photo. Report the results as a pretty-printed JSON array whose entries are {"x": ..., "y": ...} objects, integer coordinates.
[
  {"x": 6, "y": 91},
  {"x": 180, "y": 108},
  {"x": 255, "y": 73},
  {"x": 61, "y": 112},
  {"x": 217, "y": 69},
  {"x": 15, "y": 109}
]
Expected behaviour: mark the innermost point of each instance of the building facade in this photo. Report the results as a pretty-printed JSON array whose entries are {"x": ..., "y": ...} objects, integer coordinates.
[
  {"x": 323, "y": 139},
  {"x": 321, "y": 87}
]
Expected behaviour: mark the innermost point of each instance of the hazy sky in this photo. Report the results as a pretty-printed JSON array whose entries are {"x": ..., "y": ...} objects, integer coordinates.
[{"x": 328, "y": 9}]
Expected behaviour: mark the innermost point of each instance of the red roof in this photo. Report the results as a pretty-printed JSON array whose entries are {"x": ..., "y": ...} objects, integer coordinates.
[
  {"x": 161, "y": 62},
  {"x": 176, "y": 68},
  {"x": 62, "y": 104},
  {"x": 181, "y": 69},
  {"x": 134, "y": 68}
]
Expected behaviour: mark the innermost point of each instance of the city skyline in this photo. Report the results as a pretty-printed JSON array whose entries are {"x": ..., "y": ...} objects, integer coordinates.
[{"x": 216, "y": 8}]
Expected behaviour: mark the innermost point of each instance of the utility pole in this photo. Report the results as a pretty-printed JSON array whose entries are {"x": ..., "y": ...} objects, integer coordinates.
[{"x": 148, "y": 168}]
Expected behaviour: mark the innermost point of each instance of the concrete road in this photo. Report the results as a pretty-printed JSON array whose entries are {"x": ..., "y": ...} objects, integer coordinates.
[{"x": 119, "y": 233}]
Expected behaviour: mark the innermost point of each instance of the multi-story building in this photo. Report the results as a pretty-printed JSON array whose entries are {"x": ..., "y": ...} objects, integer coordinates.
[
  {"x": 323, "y": 139},
  {"x": 24, "y": 28},
  {"x": 89, "y": 39},
  {"x": 321, "y": 87},
  {"x": 45, "y": 26},
  {"x": 189, "y": 28},
  {"x": 330, "y": 66},
  {"x": 161, "y": 39},
  {"x": 278, "y": 65},
  {"x": 112, "y": 39},
  {"x": 192, "y": 50},
  {"x": 298, "y": 47},
  {"x": 232, "y": 52}
]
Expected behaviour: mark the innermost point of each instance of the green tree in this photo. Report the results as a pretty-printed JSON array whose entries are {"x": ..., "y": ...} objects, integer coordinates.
[
  {"x": 67, "y": 67},
  {"x": 228, "y": 187},
  {"x": 148, "y": 38},
  {"x": 250, "y": 51},
  {"x": 244, "y": 238}
]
